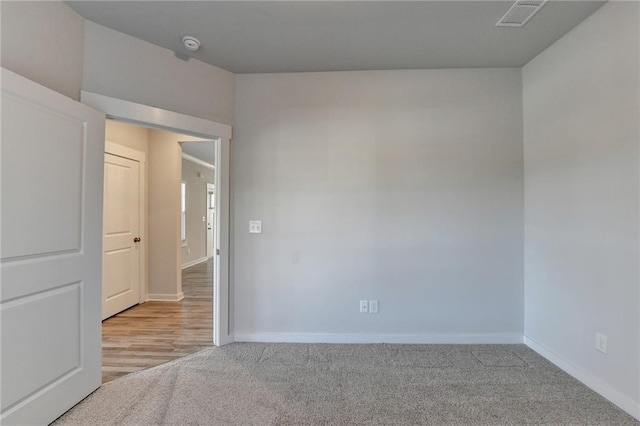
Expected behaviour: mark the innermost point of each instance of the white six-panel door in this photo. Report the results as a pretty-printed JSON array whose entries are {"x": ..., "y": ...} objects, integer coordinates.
[
  {"x": 50, "y": 252},
  {"x": 121, "y": 273}
]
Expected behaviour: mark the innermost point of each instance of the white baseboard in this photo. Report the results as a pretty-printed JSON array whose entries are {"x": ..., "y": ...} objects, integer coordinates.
[
  {"x": 624, "y": 402},
  {"x": 194, "y": 262},
  {"x": 165, "y": 297},
  {"x": 495, "y": 338}
]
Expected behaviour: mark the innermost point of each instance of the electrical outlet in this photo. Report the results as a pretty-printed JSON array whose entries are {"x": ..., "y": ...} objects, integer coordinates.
[
  {"x": 364, "y": 306},
  {"x": 255, "y": 227},
  {"x": 601, "y": 342},
  {"x": 188, "y": 251},
  {"x": 373, "y": 306}
]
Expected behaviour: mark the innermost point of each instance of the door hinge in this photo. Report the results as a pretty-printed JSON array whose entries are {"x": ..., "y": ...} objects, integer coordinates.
[{"x": 218, "y": 252}]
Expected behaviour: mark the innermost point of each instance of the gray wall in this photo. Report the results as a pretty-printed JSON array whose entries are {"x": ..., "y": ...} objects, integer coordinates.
[
  {"x": 400, "y": 186},
  {"x": 196, "y": 248},
  {"x": 124, "y": 67},
  {"x": 62, "y": 51},
  {"x": 581, "y": 134},
  {"x": 43, "y": 41}
]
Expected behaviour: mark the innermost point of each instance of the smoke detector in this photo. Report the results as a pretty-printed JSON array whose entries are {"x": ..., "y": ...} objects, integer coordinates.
[
  {"x": 520, "y": 13},
  {"x": 191, "y": 43}
]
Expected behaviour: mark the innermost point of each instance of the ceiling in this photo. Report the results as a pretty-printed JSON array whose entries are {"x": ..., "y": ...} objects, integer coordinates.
[
  {"x": 204, "y": 150},
  {"x": 281, "y": 36}
]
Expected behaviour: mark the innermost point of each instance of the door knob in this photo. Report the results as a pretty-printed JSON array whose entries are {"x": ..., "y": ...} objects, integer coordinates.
[{"x": 136, "y": 240}]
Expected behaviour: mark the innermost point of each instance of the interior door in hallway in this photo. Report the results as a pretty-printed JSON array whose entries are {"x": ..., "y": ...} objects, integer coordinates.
[{"x": 122, "y": 245}]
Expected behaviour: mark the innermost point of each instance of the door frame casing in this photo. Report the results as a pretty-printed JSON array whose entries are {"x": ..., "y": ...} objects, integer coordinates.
[
  {"x": 148, "y": 116},
  {"x": 139, "y": 156},
  {"x": 211, "y": 185}
]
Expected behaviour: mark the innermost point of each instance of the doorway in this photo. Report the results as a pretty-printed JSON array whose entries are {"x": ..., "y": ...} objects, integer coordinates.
[
  {"x": 198, "y": 177},
  {"x": 157, "y": 118},
  {"x": 158, "y": 287}
]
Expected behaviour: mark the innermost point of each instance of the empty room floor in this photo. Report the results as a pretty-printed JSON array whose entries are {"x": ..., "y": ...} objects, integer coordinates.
[
  {"x": 153, "y": 333},
  {"x": 322, "y": 384}
]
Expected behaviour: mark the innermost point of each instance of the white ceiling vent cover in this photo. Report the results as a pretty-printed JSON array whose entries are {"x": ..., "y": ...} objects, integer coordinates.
[{"x": 520, "y": 13}]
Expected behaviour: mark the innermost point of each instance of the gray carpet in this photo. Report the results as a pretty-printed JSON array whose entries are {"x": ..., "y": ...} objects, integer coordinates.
[{"x": 318, "y": 384}]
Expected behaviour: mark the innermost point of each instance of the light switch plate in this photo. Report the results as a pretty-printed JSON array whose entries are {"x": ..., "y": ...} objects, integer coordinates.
[
  {"x": 373, "y": 306},
  {"x": 255, "y": 227},
  {"x": 601, "y": 342}
]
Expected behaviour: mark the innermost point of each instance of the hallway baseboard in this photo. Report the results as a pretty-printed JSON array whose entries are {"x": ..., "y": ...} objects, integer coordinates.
[
  {"x": 194, "y": 262},
  {"x": 165, "y": 297}
]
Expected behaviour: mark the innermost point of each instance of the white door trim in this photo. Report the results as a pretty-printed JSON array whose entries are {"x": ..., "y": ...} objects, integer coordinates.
[
  {"x": 180, "y": 123},
  {"x": 133, "y": 154},
  {"x": 211, "y": 187},
  {"x": 155, "y": 117}
]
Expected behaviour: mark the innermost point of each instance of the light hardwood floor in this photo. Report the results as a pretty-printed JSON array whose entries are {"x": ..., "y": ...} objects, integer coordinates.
[{"x": 153, "y": 333}]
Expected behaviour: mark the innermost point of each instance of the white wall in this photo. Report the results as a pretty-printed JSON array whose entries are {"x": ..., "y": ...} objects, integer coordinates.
[
  {"x": 124, "y": 67},
  {"x": 196, "y": 248},
  {"x": 400, "y": 186},
  {"x": 581, "y": 135},
  {"x": 43, "y": 41}
]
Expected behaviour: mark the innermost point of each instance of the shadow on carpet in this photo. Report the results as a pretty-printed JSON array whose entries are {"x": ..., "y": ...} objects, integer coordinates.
[{"x": 322, "y": 384}]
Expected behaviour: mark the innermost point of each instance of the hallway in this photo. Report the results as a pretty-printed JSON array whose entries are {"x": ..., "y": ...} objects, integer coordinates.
[{"x": 153, "y": 333}]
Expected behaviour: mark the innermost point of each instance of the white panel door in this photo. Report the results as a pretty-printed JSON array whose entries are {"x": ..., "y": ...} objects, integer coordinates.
[
  {"x": 50, "y": 252},
  {"x": 121, "y": 261}
]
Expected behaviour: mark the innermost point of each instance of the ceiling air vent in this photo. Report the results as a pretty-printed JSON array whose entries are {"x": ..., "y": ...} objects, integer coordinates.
[{"x": 520, "y": 12}]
